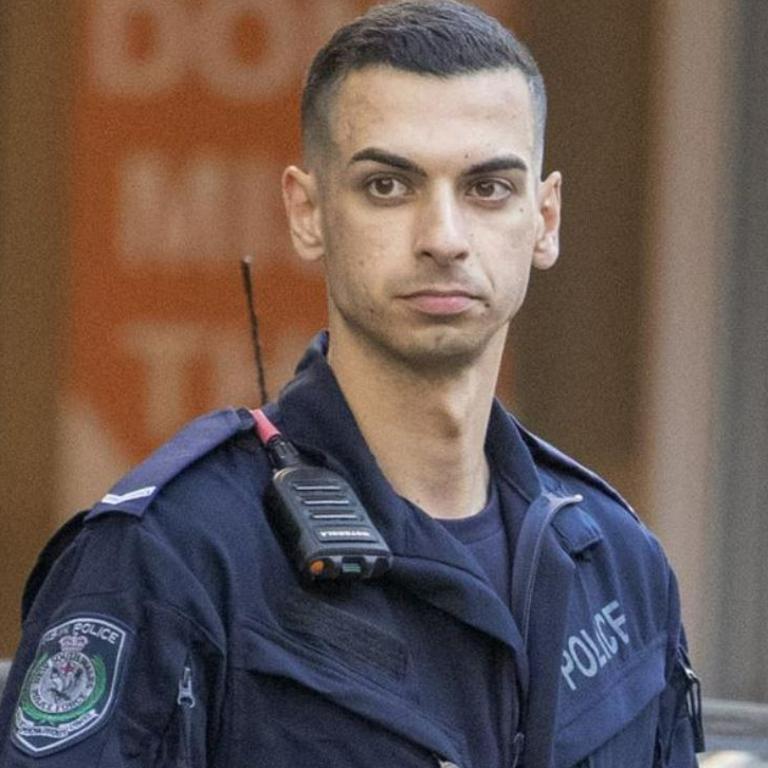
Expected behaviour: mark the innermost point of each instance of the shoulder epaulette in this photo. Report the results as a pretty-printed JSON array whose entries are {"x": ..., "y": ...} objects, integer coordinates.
[
  {"x": 136, "y": 490},
  {"x": 542, "y": 450}
]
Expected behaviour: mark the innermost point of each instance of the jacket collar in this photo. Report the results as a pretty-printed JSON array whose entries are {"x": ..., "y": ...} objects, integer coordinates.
[{"x": 314, "y": 415}]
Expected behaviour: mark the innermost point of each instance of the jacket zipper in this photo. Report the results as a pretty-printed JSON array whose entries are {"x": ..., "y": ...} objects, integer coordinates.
[{"x": 186, "y": 701}]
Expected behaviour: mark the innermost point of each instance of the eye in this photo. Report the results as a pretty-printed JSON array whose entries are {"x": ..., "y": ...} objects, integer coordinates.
[
  {"x": 387, "y": 188},
  {"x": 492, "y": 190}
]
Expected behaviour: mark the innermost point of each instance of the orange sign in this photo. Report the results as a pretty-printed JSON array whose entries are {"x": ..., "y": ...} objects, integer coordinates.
[{"x": 185, "y": 114}]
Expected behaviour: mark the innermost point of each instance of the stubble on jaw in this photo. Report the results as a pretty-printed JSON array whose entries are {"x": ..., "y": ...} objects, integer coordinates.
[{"x": 442, "y": 356}]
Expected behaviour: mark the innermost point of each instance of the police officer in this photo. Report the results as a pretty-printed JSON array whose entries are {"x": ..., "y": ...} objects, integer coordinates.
[{"x": 527, "y": 617}]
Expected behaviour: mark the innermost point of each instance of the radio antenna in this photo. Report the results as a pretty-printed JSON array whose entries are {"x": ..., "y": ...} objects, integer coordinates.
[{"x": 245, "y": 270}]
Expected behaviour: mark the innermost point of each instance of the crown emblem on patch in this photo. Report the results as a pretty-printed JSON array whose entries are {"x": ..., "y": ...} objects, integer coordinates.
[{"x": 73, "y": 643}]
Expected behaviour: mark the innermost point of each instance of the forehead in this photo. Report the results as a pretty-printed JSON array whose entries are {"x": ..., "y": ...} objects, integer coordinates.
[{"x": 482, "y": 113}]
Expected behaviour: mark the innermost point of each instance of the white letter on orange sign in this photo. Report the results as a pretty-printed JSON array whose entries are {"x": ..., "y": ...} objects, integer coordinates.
[
  {"x": 166, "y": 351},
  {"x": 173, "y": 215},
  {"x": 218, "y": 61},
  {"x": 119, "y": 73}
]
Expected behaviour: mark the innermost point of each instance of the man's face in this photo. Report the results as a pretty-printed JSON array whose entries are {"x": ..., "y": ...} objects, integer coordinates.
[{"x": 429, "y": 215}]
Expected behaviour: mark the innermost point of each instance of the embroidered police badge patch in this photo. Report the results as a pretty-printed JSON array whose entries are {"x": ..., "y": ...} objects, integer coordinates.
[{"x": 70, "y": 685}]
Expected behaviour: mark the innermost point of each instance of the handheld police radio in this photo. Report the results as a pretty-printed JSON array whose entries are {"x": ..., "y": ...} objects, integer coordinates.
[
  {"x": 318, "y": 516},
  {"x": 314, "y": 511}
]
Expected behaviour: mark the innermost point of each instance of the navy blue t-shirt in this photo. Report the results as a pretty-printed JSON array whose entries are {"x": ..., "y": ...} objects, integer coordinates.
[{"x": 485, "y": 535}]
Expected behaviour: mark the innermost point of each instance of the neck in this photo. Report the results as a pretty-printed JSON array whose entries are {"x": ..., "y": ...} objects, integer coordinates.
[{"x": 427, "y": 432}]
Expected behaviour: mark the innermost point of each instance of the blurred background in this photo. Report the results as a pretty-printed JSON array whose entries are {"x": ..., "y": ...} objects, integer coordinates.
[{"x": 141, "y": 143}]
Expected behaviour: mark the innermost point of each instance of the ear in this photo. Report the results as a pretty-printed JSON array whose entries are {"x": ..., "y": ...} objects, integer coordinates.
[
  {"x": 300, "y": 196},
  {"x": 547, "y": 247}
]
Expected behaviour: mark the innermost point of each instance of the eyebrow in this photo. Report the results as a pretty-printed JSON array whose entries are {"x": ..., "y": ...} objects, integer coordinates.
[
  {"x": 503, "y": 163},
  {"x": 387, "y": 158}
]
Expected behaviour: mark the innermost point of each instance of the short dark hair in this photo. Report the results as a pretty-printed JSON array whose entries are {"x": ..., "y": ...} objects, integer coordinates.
[{"x": 431, "y": 37}]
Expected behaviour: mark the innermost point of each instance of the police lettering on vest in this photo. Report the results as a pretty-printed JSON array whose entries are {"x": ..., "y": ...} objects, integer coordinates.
[{"x": 588, "y": 651}]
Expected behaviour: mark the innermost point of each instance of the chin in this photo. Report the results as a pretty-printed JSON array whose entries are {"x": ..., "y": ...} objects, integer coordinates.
[
  {"x": 436, "y": 349},
  {"x": 441, "y": 351}
]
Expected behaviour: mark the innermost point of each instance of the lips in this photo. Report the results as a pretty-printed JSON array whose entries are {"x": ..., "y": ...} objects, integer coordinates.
[{"x": 441, "y": 301}]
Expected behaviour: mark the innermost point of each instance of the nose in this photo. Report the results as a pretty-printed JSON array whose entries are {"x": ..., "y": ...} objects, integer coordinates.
[{"x": 441, "y": 233}]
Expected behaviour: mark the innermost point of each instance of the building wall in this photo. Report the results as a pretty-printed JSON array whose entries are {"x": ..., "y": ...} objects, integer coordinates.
[
  {"x": 741, "y": 436},
  {"x": 35, "y": 48},
  {"x": 577, "y": 346}
]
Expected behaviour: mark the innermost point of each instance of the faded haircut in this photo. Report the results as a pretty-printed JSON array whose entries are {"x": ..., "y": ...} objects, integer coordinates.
[{"x": 431, "y": 37}]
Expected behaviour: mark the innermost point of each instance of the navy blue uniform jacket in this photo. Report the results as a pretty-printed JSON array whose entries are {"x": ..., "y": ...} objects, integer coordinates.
[{"x": 175, "y": 627}]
